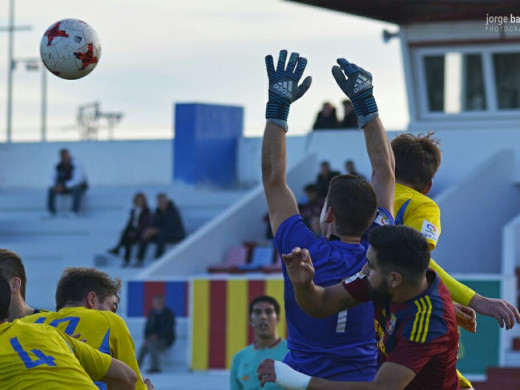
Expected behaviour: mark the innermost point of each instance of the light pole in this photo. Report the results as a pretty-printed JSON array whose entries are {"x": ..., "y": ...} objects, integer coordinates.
[
  {"x": 34, "y": 64},
  {"x": 10, "y": 64}
]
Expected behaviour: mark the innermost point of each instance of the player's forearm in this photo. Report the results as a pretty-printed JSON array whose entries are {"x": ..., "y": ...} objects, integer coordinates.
[
  {"x": 119, "y": 376},
  {"x": 380, "y": 152},
  {"x": 312, "y": 299},
  {"x": 273, "y": 156}
]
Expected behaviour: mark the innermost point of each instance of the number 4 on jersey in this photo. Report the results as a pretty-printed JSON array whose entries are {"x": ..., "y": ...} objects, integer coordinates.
[{"x": 26, "y": 359}]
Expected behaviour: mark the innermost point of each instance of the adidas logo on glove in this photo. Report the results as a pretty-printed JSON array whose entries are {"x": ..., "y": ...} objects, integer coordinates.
[
  {"x": 284, "y": 87},
  {"x": 361, "y": 83}
]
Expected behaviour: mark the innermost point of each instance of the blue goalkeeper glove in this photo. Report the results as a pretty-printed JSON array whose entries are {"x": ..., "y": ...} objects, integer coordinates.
[
  {"x": 283, "y": 86},
  {"x": 358, "y": 87}
]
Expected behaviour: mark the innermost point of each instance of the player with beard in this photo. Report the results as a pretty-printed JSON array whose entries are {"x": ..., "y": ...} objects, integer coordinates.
[
  {"x": 415, "y": 321},
  {"x": 264, "y": 316}
]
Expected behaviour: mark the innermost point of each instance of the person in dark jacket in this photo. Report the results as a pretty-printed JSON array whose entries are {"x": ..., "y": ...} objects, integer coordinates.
[
  {"x": 326, "y": 118},
  {"x": 323, "y": 179},
  {"x": 140, "y": 218},
  {"x": 68, "y": 178},
  {"x": 159, "y": 333},
  {"x": 166, "y": 227}
]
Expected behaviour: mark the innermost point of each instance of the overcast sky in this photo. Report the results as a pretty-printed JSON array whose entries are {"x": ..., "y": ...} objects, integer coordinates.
[{"x": 159, "y": 52}]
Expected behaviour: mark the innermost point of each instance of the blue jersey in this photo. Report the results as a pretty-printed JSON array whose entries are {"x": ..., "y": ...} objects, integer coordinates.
[{"x": 342, "y": 346}]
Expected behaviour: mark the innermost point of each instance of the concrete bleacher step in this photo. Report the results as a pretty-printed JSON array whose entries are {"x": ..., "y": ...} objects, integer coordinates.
[{"x": 47, "y": 246}]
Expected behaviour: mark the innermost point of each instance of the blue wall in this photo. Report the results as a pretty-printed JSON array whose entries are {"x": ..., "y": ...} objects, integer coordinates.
[{"x": 206, "y": 141}]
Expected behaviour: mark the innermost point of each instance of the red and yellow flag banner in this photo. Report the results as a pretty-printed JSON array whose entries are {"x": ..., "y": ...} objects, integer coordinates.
[{"x": 220, "y": 318}]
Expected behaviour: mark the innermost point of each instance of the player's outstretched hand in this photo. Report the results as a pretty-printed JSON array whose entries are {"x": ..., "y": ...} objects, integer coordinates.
[
  {"x": 283, "y": 85},
  {"x": 299, "y": 267},
  {"x": 466, "y": 317},
  {"x": 266, "y": 372},
  {"x": 357, "y": 85},
  {"x": 149, "y": 384},
  {"x": 505, "y": 313},
  {"x": 78, "y": 336}
]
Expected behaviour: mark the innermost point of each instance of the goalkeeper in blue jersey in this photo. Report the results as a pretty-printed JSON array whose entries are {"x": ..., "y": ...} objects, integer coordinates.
[{"x": 339, "y": 347}]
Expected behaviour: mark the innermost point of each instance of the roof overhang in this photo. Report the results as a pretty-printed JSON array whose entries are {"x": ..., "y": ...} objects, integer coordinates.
[{"x": 420, "y": 11}]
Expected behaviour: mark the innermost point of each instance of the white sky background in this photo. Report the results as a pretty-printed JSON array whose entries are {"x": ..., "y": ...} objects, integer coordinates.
[{"x": 159, "y": 52}]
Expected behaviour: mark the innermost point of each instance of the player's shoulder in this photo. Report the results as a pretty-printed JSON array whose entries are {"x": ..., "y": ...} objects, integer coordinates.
[
  {"x": 244, "y": 353},
  {"x": 112, "y": 318},
  {"x": 424, "y": 318},
  {"x": 36, "y": 315},
  {"x": 422, "y": 201},
  {"x": 30, "y": 328},
  {"x": 117, "y": 324},
  {"x": 404, "y": 193}
]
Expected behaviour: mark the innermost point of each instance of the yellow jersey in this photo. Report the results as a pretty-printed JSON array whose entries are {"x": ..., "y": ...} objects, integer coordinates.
[
  {"x": 103, "y": 330},
  {"x": 41, "y": 357},
  {"x": 417, "y": 211}
]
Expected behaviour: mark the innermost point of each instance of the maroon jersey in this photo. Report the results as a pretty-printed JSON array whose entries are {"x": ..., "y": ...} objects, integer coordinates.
[{"x": 420, "y": 334}]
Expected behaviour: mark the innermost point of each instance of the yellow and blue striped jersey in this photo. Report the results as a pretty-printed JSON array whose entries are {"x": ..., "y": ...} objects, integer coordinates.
[
  {"x": 41, "y": 357},
  {"x": 103, "y": 330}
]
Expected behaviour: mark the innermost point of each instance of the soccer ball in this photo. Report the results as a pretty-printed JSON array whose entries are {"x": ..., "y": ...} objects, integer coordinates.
[{"x": 70, "y": 49}]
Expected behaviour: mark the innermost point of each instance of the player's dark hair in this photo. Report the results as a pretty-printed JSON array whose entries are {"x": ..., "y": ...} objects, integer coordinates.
[
  {"x": 265, "y": 298},
  {"x": 76, "y": 282},
  {"x": 5, "y": 297},
  {"x": 401, "y": 249},
  {"x": 417, "y": 159},
  {"x": 354, "y": 203},
  {"x": 12, "y": 267}
]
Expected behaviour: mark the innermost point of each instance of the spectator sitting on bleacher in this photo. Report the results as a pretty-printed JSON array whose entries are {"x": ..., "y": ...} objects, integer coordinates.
[
  {"x": 159, "y": 333},
  {"x": 324, "y": 178},
  {"x": 350, "y": 169},
  {"x": 166, "y": 227},
  {"x": 140, "y": 217},
  {"x": 350, "y": 119},
  {"x": 326, "y": 118},
  {"x": 68, "y": 177},
  {"x": 311, "y": 210}
]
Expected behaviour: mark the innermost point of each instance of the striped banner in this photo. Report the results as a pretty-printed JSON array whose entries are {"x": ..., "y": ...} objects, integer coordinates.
[
  {"x": 220, "y": 318},
  {"x": 140, "y": 296}
]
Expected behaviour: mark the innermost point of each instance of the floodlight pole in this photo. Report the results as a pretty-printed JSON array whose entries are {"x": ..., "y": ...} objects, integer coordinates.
[
  {"x": 10, "y": 65},
  {"x": 44, "y": 103},
  {"x": 10, "y": 70}
]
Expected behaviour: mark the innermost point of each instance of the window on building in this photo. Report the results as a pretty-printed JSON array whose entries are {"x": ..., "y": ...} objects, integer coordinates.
[
  {"x": 454, "y": 82},
  {"x": 507, "y": 80},
  {"x": 474, "y": 93},
  {"x": 434, "y": 69}
]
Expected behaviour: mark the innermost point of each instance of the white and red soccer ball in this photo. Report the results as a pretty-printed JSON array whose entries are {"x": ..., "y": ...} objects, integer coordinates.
[{"x": 70, "y": 49}]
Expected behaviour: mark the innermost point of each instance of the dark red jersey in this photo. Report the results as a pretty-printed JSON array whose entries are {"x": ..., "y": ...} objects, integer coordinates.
[{"x": 420, "y": 334}]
